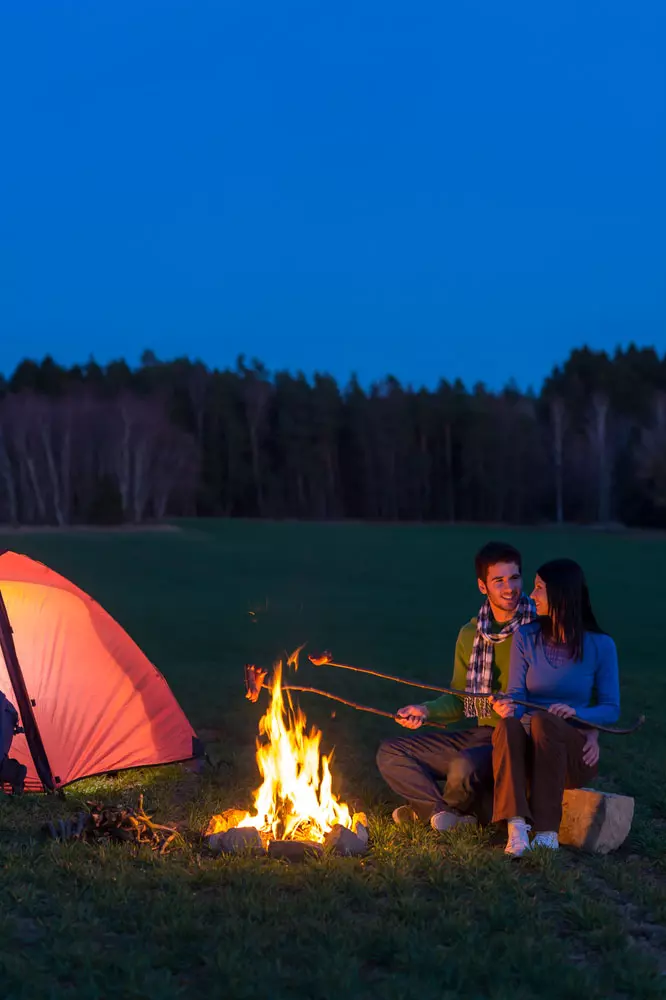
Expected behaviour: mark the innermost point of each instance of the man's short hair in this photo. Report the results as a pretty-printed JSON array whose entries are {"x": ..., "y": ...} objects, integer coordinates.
[{"x": 493, "y": 553}]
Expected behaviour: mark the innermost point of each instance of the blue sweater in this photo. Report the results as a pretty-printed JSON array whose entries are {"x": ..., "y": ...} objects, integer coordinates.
[{"x": 591, "y": 686}]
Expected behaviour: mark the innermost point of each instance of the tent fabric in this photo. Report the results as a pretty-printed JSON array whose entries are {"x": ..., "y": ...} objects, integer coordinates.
[{"x": 99, "y": 703}]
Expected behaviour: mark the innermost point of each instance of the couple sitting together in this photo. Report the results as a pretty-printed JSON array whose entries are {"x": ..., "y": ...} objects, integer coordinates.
[{"x": 546, "y": 649}]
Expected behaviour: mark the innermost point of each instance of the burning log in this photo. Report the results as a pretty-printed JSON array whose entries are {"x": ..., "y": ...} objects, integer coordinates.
[
  {"x": 295, "y": 803},
  {"x": 227, "y": 820},
  {"x": 296, "y": 799}
]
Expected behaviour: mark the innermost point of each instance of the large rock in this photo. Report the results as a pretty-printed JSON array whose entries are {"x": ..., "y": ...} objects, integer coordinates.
[
  {"x": 294, "y": 850},
  {"x": 593, "y": 821},
  {"x": 239, "y": 840},
  {"x": 344, "y": 841}
]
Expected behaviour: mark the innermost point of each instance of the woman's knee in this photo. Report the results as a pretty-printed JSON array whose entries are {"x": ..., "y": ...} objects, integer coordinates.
[
  {"x": 506, "y": 730},
  {"x": 544, "y": 724}
]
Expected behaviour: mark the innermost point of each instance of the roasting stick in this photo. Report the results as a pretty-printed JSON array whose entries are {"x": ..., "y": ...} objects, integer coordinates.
[
  {"x": 255, "y": 680},
  {"x": 325, "y": 660},
  {"x": 352, "y": 704}
]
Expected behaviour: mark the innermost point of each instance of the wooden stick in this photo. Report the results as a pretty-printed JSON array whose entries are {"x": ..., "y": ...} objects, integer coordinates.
[
  {"x": 614, "y": 731},
  {"x": 325, "y": 661},
  {"x": 351, "y": 704}
]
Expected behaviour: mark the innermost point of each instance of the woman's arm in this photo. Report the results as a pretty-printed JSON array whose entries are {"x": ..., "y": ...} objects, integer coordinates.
[
  {"x": 607, "y": 684},
  {"x": 517, "y": 686}
]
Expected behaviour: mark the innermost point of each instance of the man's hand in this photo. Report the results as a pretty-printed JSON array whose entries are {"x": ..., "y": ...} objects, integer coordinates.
[
  {"x": 562, "y": 711},
  {"x": 591, "y": 748},
  {"x": 504, "y": 707},
  {"x": 411, "y": 716}
]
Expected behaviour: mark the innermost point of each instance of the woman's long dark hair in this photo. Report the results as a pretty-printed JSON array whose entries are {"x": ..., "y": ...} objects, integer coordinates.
[{"x": 571, "y": 611}]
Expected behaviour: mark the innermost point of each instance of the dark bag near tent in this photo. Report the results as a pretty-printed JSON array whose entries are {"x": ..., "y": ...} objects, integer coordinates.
[
  {"x": 11, "y": 772},
  {"x": 8, "y": 721}
]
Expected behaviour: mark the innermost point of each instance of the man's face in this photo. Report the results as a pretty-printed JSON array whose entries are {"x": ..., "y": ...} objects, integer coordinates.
[{"x": 503, "y": 586}]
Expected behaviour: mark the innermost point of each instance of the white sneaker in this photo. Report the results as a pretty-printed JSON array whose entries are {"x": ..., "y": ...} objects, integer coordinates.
[
  {"x": 445, "y": 820},
  {"x": 548, "y": 839},
  {"x": 519, "y": 838}
]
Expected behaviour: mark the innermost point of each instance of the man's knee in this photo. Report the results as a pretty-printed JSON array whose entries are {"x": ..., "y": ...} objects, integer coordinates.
[
  {"x": 469, "y": 771},
  {"x": 461, "y": 768},
  {"x": 388, "y": 754}
]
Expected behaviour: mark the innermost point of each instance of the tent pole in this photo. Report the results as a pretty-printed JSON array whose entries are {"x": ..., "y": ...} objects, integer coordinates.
[{"x": 24, "y": 703}]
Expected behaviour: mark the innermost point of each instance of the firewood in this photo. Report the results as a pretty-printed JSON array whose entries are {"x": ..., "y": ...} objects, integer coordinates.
[{"x": 114, "y": 823}]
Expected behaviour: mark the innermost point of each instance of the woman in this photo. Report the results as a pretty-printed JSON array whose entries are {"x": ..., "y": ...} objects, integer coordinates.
[{"x": 566, "y": 663}]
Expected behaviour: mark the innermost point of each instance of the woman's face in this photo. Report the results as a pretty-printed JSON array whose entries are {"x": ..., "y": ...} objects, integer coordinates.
[{"x": 540, "y": 596}]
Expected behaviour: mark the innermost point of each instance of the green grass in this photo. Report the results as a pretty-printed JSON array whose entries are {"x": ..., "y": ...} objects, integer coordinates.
[{"x": 422, "y": 915}]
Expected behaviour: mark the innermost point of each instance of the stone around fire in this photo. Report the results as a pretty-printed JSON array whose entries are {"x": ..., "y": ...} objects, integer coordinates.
[
  {"x": 360, "y": 827},
  {"x": 346, "y": 842},
  {"x": 236, "y": 841},
  {"x": 294, "y": 850}
]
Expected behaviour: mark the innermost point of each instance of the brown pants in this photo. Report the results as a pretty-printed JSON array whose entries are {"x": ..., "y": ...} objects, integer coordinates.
[{"x": 533, "y": 769}]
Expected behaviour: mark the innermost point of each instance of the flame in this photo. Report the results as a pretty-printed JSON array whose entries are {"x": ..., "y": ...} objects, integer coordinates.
[{"x": 296, "y": 799}]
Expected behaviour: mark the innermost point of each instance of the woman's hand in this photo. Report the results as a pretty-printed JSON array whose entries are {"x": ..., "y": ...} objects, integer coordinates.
[
  {"x": 411, "y": 716},
  {"x": 562, "y": 711},
  {"x": 591, "y": 748},
  {"x": 504, "y": 707}
]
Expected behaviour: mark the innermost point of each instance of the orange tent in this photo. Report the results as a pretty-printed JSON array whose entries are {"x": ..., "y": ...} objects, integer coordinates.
[{"x": 89, "y": 701}]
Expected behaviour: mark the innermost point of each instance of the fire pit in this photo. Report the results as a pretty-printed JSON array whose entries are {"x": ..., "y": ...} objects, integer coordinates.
[{"x": 296, "y": 812}]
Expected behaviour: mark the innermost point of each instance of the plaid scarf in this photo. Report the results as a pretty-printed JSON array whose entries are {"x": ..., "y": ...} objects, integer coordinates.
[{"x": 480, "y": 669}]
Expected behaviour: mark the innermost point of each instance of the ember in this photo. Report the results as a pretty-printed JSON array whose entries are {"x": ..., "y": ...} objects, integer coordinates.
[{"x": 296, "y": 799}]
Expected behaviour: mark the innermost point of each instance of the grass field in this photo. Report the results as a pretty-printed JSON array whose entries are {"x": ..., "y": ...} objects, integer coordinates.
[{"x": 423, "y": 916}]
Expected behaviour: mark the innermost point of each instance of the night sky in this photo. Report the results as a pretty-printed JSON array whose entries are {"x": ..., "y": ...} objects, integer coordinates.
[{"x": 422, "y": 189}]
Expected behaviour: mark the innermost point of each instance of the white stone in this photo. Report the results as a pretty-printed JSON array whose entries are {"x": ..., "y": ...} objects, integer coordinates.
[
  {"x": 361, "y": 832},
  {"x": 344, "y": 841},
  {"x": 236, "y": 841}
]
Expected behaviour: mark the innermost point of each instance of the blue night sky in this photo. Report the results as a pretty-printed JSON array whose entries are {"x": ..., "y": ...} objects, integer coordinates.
[{"x": 425, "y": 189}]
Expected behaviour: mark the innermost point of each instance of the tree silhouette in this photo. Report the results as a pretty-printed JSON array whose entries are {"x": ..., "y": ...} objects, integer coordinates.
[{"x": 108, "y": 442}]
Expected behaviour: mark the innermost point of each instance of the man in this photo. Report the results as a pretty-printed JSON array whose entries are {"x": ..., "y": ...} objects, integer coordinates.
[{"x": 413, "y": 765}]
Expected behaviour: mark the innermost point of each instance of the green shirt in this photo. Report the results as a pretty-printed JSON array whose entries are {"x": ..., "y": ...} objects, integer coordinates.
[{"x": 448, "y": 708}]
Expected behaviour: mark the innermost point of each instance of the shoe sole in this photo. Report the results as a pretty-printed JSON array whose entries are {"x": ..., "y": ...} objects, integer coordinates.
[{"x": 463, "y": 821}]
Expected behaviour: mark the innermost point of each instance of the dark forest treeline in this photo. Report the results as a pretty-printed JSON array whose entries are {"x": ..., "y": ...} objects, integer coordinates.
[{"x": 113, "y": 444}]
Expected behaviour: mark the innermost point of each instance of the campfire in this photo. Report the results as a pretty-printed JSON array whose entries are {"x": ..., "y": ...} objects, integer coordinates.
[{"x": 295, "y": 802}]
